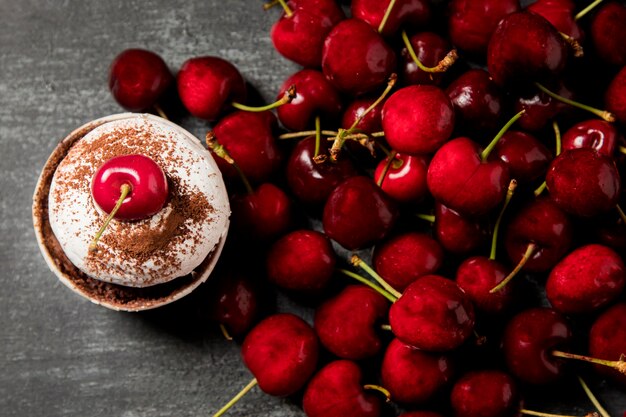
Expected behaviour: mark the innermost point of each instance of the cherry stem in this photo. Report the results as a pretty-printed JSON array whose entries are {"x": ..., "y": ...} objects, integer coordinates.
[
  {"x": 360, "y": 263},
  {"x": 530, "y": 249},
  {"x": 283, "y": 3},
  {"x": 289, "y": 95},
  {"x": 383, "y": 22},
  {"x": 386, "y": 327},
  {"x": 227, "y": 335},
  {"x": 622, "y": 215},
  {"x": 125, "y": 189},
  {"x": 540, "y": 189},
  {"x": 480, "y": 340},
  {"x": 380, "y": 389},
  {"x": 370, "y": 284},
  {"x": 160, "y": 111},
  {"x": 587, "y": 9},
  {"x": 270, "y": 4},
  {"x": 442, "y": 66},
  {"x": 341, "y": 136},
  {"x": 540, "y": 414},
  {"x": 390, "y": 160},
  {"x": 305, "y": 133},
  {"x": 427, "y": 217},
  {"x": 574, "y": 44},
  {"x": 485, "y": 153},
  {"x": 219, "y": 150},
  {"x": 236, "y": 398},
  {"x": 618, "y": 365},
  {"x": 593, "y": 398},
  {"x": 603, "y": 114},
  {"x": 318, "y": 136},
  {"x": 496, "y": 227},
  {"x": 622, "y": 149},
  {"x": 557, "y": 140}
]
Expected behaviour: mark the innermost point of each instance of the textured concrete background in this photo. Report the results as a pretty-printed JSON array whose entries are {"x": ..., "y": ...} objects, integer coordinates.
[{"x": 59, "y": 354}]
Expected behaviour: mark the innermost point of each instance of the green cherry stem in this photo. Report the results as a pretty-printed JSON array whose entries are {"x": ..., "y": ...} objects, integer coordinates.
[
  {"x": 618, "y": 365},
  {"x": 219, "y": 150},
  {"x": 496, "y": 227},
  {"x": 236, "y": 398},
  {"x": 603, "y": 114},
  {"x": 485, "y": 153},
  {"x": 305, "y": 133},
  {"x": 442, "y": 66},
  {"x": 541, "y": 414},
  {"x": 621, "y": 213},
  {"x": 386, "y": 327},
  {"x": 557, "y": 152},
  {"x": 574, "y": 45},
  {"x": 426, "y": 217},
  {"x": 125, "y": 189},
  {"x": 593, "y": 398},
  {"x": 360, "y": 263},
  {"x": 587, "y": 9},
  {"x": 370, "y": 284},
  {"x": 383, "y": 22},
  {"x": 225, "y": 333},
  {"x": 289, "y": 95},
  {"x": 622, "y": 149},
  {"x": 380, "y": 389},
  {"x": 318, "y": 137},
  {"x": 390, "y": 161},
  {"x": 530, "y": 249}
]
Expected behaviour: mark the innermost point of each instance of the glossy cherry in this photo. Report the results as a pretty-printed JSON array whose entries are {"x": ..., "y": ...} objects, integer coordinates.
[
  {"x": 302, "y": 260},
  {"x": 583, "y": 182},
  {"x": 208, "y": 84},
  {"x": 337, "y": 390},
  {"x": 430, "y": 48},
  {"x": 148, "y": 186},
  {"x": 477, "y": 276},
  {"x": 608, "y": 33},
  {"x": 525, "y": 47},
  {"x": 593, "y": 133},
  {"x": 607, "y": 340},
  {"x": 457, "y": 233},
  {"x": 529, "y": 338},
  {"x": 358, "y": 213},
  {"x": 413, "y": 13},
  {"x": 586, "y": 280},
  {"x": 485, "y": 393},
  {"x": 406, "y": 257},
  {"x": 418, "y": 119},
  {"x": 539, "y": 107},
  {"x": 371, "y": 122},
  {"x": 315, "y": 97},
  {"x": 356, "y": 59},
  {"x": 138, "y": 78},
  {"x": 433, "y": 314},
  {"x": 526, "y": 157},
  {"x": 404, "y": 178},
  {"x": 477, "y": 101},
  {"x": 560, "y": 13},
  {"x": 299, "y": 36},
  {"x": 347, "y": 323},
  {"x": 615, "y": 96},
  {"x": 413, "y": 376},
  {"x": 472, "y": 22}
]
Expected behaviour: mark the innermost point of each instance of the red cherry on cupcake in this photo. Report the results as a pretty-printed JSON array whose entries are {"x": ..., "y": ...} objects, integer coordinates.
[
  {"x": 413, "y": 13},
  {"x": 593, "y": 133},
  {"x": 607, "y": 340},
  {"x": 138, "y": 78},
  {"x": 346, "y": 323},
  {"x": 403, "y": 177}
]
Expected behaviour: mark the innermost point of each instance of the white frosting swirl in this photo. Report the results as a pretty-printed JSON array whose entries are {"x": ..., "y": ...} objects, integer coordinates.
[{"x": 155, "y": 250}]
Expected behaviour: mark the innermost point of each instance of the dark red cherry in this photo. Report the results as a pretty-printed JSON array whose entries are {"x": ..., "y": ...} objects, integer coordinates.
[
  {"x": 456, "y": 233},
  {"x": 337, "y": 390},
  {"x": 477, "y": 101},
  {"x": 593, "y": 133},
  {"x": 208, "y": 84},
  {"x": 358, "y": 213},
  {"x": 356, "y": 59},
  {"x": 607, "y": 340},
  {"x": 485, "y": 393},
  {"x": 418, "y": 119},
  {"x": 583, "y": 182},
  {"x": 406, "y": 257},
  {"x": 615, "y": 96},
  {"x": 420, "y": 414},
  {"x": 543, "y": 224},
  {"x": 472, "y": 22},
  {"x": 249, "y": 139},
  {"x": 148, "y": 186},
  {"x": 262, "y": 215},
  {"x": 413, "y": 376},
  {"x": 404, "y": 178},
  {"x": 281, "y": 352},
  {"x": 477, "y": 276},
  {"x": 561, "y": 14},
  {"x": 539, "y": 107},
  {"x": 315, "y": 97},
  {"x": 608, "y": 33},
  {"x": 412, "y": 13},
  {"x": 138, "y": 78},
  {"x": 300, "y": 37},
  {"x": 430, "y": 48},
  {"x": 433, "y": 314},
  {"x": 528, "y": 339},
  {"x": 371, "y": 122},
  {"x": 526, "y": 157},
  {"x": 525, "y": 47},
  {"x": 312, "y": 182},
  {"x": 347, "y": 323},
  {"x": 302, "y": 260},
  {"x": 586, "y": 280}
]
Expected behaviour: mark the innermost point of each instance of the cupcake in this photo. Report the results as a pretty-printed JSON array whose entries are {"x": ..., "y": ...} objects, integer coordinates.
[{"x": 139, "y": 264}]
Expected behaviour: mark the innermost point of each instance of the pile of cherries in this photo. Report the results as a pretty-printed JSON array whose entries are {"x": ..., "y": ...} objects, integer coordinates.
[{"x": 420, "y": 155}]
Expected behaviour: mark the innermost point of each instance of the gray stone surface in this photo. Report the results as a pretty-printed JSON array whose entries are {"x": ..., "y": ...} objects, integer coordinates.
[{"x": 59, "y": 354}]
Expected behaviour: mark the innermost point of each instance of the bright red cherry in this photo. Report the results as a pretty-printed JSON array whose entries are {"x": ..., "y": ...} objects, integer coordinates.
[
  {"x": 608, "y": 33},
  {"x": 477, "y": 276},
  {"x": 486, "y": 393},
  {"x": 615, "y": 96},
  {"x": 586, "y": 280},
  {"x": 347, "y": 323},
  {"x": 138, "y": 78},
  {"x": 302, "y": 260},
  {"x": 433, "y": 314},
  {"x": 430, "y": 49},
  {"x": 208, "y": 84},
  {"x": 371, "y": 122},
  {"x": 356, "y": 59},
  {"x": 148, "y": 186},
  {"x": 413, "y": 13},
  {"x": 607, "y": 340},
  {"x": 418, "y": 119},
  {"x": 404, "y": 178},
  {"x": 593, "y": 133}
]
